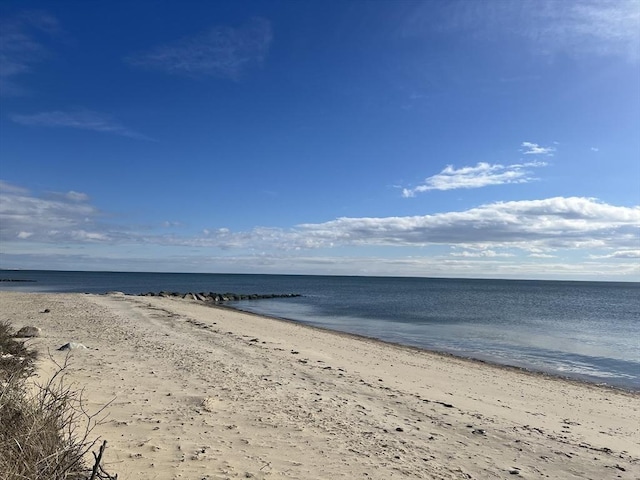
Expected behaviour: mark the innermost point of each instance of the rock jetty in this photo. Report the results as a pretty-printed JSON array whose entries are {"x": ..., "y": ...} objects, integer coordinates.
[{"x": 213, "y": 297}]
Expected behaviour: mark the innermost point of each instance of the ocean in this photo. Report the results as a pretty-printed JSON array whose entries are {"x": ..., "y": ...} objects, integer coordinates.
[{"x": 583, "y": 330}]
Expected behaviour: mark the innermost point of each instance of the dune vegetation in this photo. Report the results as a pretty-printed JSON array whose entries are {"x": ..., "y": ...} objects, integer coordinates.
[{"x": 45, "y": 431}]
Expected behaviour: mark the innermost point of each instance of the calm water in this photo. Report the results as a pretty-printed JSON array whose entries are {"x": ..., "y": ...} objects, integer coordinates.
[{"x": 585, "y": 330}]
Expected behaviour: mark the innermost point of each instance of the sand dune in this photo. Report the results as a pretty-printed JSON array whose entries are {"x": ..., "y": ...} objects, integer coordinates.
[{"x": 208, "y": 393}]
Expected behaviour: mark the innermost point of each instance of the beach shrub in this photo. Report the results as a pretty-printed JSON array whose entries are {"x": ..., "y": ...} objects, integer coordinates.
[
  {"x": 44, "y": 429},
  {"x": 16, "y": 361}
]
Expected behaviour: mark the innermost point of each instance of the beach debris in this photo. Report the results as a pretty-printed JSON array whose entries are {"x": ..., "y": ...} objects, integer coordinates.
[
  {"x": 46, "y": 310},
  {"x": 566, "y": 421},
  {"x": 28, "y": 332},
  {"x": 72, "y": 346},
  {"x": 208, "y": 404}
]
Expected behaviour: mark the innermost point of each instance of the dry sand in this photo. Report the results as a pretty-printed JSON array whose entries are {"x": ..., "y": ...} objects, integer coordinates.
[{"x": 208, "y": 393}]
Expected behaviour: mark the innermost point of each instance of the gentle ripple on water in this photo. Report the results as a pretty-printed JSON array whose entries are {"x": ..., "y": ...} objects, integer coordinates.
[{"x": 586, "y": 330}]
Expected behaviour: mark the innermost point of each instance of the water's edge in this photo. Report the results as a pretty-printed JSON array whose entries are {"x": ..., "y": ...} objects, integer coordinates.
[
  {"x": 586, "y": 331},
  {"x": 550, "y": 375}
]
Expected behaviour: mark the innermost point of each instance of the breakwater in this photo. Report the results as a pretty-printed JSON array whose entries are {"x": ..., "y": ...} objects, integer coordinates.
[{"x": 213, "y": 297}]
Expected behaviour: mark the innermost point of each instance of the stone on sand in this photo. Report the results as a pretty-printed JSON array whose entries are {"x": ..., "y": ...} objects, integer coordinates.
[
  {"x": 72, "y": 346},
  {"x": 28, "y": 331}
]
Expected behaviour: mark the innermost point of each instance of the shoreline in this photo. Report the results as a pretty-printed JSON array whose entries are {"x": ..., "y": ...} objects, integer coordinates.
[
  {"x": 445, "y": 354},
  {"x": 583, "y": 348},
  {"x": 495, "y": 364},
  {"x": 200, "y": 392}
]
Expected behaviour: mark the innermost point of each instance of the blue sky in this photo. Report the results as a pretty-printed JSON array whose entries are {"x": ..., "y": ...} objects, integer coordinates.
[{"x": 493, "y": 139}]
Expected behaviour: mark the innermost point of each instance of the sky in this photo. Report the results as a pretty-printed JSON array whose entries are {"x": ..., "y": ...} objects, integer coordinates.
[{"x": 492, "y": 139}]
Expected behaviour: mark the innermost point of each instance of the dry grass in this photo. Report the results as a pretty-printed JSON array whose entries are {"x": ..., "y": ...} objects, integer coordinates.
[
  {"x": 44, "y": 431},
  {"x": 16, "y": 361}
]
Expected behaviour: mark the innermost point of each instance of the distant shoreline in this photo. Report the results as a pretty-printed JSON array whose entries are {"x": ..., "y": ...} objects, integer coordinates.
[{"x": 479, "y": 279}]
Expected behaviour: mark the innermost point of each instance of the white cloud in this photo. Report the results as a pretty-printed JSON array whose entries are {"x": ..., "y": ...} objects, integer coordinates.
[
  {"x": 577, "y": 28},
  {"x": 77, "y": 196},
  {"x": 422, "y": 266},
  {"x": 598, "y": 27},
  {"x": 20, "y": 48},
  {"x": 11, "y": 189},
  {"x": 535, "y": 149},
  {"x": 221, "y": 52},
  {"x": 625, "y": 254},
  {"x": 57, "y": 217},
  {"x": 171, "y": 224},
  {"x": 516, "y": 232},
  {"x": 481, "y": 254},
  {"x": 573, "y": 223},
  {"x": 534, "y": 226},
  {"x": 81, "y": 119},
  {"x": 482, "y": 175}
]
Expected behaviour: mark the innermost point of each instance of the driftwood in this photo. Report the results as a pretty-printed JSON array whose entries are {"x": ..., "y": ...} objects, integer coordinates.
[{"x": 98, "y": 472}]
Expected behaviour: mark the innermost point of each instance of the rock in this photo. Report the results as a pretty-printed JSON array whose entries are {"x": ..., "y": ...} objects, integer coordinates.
[
  {"x": 208, "y": 404},
  {"x": 219, "y": 297},
  {"x": 28, "y": 332},
  {"x": 72, "y": 346}
]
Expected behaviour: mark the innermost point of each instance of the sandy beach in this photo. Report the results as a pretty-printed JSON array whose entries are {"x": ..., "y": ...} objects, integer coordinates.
[{"x": 209, "y": 393}]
